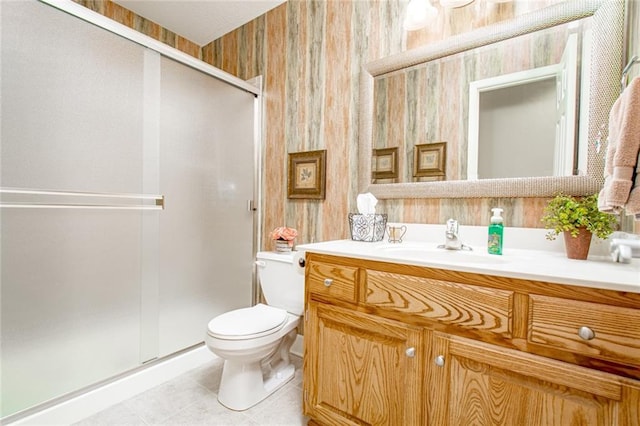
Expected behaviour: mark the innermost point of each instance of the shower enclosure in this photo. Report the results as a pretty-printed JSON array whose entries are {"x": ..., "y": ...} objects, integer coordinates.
[{"x": 125, "y": 177}]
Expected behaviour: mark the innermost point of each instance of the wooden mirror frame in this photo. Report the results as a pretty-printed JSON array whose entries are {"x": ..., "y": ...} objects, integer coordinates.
[{"x": 604, "y": 88}]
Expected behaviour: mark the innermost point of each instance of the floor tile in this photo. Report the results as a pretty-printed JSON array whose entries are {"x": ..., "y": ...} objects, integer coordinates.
[
  {"x": 191, "y": 400},
  {"x": 164, "y": 401},
  {"x": 119, "y": 414},
  {"x": 283, "y": 408},
  {"x": 208, "y": 412}
]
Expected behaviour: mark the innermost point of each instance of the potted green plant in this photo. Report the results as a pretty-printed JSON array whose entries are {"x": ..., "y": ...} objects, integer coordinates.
[{"x": 577, "y": 218}]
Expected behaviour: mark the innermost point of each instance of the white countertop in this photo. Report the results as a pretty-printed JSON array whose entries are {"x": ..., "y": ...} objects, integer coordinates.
[{"x": 599, "y": 271}]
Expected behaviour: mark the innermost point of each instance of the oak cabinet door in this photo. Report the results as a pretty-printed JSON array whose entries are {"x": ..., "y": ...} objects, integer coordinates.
[
  {"x": 481, "y": 384},
  {"x": 361, "y": 369}
]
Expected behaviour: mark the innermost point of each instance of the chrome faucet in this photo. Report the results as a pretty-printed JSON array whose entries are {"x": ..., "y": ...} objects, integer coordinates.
[
  {"x": 624, "y": 248},
  {"x": 452, "y": 239}
]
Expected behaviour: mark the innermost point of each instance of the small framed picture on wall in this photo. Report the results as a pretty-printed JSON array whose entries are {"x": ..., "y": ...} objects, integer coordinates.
[
  {"x": 306, "y": 175},
  {"x": 385, "y": 163},
  {"x": 430, "y": 160}
]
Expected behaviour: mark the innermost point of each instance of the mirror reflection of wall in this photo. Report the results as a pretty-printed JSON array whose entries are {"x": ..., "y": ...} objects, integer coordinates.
[
  {"x": 430, "y": 102},
  {"x": 524, "y": 124},
  {"x": 517, "y": 129}
]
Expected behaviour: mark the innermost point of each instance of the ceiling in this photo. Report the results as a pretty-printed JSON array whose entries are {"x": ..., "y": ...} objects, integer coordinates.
[{"x": 200, "y": 21}]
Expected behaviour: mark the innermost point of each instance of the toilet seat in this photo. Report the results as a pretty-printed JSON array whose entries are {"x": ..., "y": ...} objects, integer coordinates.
[{"x": 247, "y": 323}]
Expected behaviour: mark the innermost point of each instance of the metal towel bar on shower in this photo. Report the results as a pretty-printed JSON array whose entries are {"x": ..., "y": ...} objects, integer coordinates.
[
  {"x": 21, "y": 203},
  {"x": 625, "y": 72}
]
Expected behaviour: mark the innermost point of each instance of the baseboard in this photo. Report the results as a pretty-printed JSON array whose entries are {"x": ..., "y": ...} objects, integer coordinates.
[{"x": 93, "y": 401}]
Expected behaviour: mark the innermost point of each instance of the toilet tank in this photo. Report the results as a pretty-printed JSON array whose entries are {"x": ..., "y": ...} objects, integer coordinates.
[{"x": 281, "y": 280}]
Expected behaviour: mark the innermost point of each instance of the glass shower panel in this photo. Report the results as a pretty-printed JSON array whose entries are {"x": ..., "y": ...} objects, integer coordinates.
[
  {"x": 70, "y": 301},
  {"x": 71, "y": 99},
  {"x": 207, "y": 175},
  {"x": 70, "y": 281}
]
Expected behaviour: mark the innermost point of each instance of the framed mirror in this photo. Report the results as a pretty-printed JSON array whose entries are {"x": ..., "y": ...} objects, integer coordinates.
[{"x": 414, "y": 74}]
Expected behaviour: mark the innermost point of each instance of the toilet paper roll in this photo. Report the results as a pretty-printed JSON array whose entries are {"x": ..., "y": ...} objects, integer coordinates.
[{"x": 297, "y": 257}]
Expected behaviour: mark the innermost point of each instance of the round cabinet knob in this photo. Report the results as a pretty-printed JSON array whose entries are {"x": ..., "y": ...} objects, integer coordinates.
[
  {"x": 410, "y": 352},
  {"x": 586, "y": 333},
  {"x": 301, "y": 262},
  {"x": 328, "y": 282},
  {"x": 439, "y": 360}
]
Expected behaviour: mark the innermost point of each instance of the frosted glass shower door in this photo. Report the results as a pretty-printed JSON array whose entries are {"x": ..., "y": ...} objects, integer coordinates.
[
  {"x": 207, "y": 176},
  {"x": 72, "y": 107},
  {"x": 88, "y": 293}
]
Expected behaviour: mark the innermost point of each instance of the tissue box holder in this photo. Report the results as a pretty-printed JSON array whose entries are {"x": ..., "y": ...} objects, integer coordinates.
[{"x": 367, "y": 227}]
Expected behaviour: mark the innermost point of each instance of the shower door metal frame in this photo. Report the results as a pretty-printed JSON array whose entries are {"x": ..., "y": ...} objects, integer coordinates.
[{"x": 95, "y": 18}]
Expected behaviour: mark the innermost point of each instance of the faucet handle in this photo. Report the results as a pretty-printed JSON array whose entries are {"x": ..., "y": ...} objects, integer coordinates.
[
  {"x": 622, "y": 250},
  {"x": 452, "y": 226}
]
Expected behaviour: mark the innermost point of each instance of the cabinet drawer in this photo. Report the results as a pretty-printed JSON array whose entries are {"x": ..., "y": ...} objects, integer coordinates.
[
  {"x": 466, "y": 306},
  {"x": 332, "y": 280},
  {"x": 613, "y": 333}
]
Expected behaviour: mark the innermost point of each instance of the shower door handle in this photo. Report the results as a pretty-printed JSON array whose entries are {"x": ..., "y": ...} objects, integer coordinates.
[{"x": 28, "y": 198}]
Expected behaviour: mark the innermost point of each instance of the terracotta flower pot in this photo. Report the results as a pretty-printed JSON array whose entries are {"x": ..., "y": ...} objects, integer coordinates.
[{"x": 578, "y": 247}]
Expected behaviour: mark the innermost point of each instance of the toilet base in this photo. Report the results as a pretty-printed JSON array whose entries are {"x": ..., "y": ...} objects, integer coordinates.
[{"x": 244, "y": 384}]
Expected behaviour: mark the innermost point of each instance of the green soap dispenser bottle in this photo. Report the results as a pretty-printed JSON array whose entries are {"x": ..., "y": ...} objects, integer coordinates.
[{"x": 496, "y": 228}]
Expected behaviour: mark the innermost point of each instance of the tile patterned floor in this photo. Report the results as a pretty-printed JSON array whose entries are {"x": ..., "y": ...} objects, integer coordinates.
[{"x": 191, "y": 399}]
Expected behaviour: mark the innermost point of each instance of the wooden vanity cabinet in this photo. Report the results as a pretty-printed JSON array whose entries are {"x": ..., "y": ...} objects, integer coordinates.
[
  {"x": 368, "y": 370},
  {"x": 358, "y": 368},
  {"x": 405, "y": 345},
  {"x": 481, "y": 384}
]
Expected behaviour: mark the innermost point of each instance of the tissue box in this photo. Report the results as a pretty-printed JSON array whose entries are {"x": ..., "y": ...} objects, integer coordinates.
[{"x": 367, "y": 227}]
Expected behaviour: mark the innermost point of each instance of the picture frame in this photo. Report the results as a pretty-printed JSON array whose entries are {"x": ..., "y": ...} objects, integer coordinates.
[
  {"x": 307, "y": 175},
  {"x": 430, "y": 160},
  {"x": 385, "y": 163}
]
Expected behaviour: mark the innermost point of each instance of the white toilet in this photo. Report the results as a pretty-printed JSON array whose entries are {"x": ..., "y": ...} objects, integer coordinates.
[{"x": 255, "y": 342}]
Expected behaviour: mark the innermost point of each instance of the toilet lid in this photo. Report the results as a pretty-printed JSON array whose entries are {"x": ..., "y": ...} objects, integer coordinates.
[{"x": 247, "y": 323}]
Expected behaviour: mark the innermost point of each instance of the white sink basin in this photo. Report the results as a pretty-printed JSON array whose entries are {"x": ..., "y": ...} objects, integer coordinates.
[{"x": 432, "y": 252}]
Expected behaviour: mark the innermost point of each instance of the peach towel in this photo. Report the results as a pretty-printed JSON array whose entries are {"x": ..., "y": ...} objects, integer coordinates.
[{"x": 622, "y": 154}]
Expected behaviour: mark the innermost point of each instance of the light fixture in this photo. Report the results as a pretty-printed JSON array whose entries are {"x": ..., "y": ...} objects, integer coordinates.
[
  {"x": 419, "y": 14},
  {"x": 450, "y": 4}
]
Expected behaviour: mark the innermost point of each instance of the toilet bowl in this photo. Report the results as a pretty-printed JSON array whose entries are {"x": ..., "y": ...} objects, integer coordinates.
[{"x": 255, "y": 341}]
